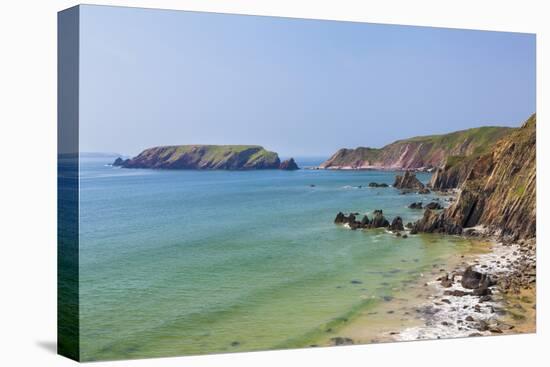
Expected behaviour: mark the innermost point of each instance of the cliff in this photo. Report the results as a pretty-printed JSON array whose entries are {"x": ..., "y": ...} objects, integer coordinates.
[
  {"x": 499, "y": 190},
  {"x": 418, "y": 152},
  {"x": 229, "y": 157}
]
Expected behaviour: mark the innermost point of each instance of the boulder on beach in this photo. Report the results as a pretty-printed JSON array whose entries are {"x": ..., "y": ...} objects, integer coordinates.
[
  {"x": 479, "y": 282},
  {"x": 338, "y": 340}
]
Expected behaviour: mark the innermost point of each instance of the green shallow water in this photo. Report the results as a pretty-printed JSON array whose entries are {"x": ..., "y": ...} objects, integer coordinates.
[{"x": 194, "y": 262}]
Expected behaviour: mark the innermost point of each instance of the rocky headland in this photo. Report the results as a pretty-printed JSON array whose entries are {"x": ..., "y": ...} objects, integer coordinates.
[
  {"x": 497, "y": 190},
  {"x": 493, "y": 199},
  {"x": 418, "y": 153},
  {"x": 225, "y": 157}
]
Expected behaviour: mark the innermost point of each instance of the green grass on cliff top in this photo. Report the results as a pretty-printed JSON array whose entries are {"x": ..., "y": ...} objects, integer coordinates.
[
  {"x": 479, "y": 135},
  {"x": 214, "y": 152}
]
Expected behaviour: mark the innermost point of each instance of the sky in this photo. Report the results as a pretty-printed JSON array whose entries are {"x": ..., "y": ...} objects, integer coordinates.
[{"x": 297, "y": 87}]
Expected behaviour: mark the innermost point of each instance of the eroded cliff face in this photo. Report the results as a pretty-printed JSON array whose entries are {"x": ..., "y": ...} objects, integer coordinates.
[
  {"x": 498, "y": 191},
  {"x": 419, "y": 152}
]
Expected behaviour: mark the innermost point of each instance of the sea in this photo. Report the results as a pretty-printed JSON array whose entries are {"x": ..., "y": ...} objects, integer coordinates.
[{"x": 192, "y": 262}]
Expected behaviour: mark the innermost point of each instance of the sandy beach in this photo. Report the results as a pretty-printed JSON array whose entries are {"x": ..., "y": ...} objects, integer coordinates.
[{"x": 438, "y": 306}]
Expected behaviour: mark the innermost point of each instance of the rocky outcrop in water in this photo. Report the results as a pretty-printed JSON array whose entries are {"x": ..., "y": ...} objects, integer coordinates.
[
  {"x": 378, "y": 221},
  {"x": 375, "y": 184},
  {"x": 417, "y": 205},
  {"x": 396, "y": 224},
  {"x": 289, "y": 165},
  {"x": 118, "y": 162},
  {"x": 408, "y": 181},
  {"x": 499, "y": 191}
]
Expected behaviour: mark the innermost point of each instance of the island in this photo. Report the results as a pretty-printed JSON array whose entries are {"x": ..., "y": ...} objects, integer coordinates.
[{"x": 204, "y": 157}]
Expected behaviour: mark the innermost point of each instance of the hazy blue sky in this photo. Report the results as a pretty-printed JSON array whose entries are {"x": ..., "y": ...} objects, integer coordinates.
[{"x": 298, "y": 87}]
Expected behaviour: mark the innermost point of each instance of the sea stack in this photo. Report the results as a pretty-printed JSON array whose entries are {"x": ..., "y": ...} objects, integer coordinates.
[
  {"x": 408, "y": 181},
  {"x": 289, "y": 165},
  {"x": 118, "y": 162}
]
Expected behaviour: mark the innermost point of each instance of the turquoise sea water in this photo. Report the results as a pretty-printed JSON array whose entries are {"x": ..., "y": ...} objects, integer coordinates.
[{"x": 192, "y": 262}]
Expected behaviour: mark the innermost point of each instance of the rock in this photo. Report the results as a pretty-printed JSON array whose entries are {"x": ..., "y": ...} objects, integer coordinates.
[
  {"x": 482, "y": 291},
  {"x": 434, "y": 206},
  {"x": 485, "y": 298},
  {"x": 433, "y": 222},
  {"x": 397, "y": 224},
  {"x": 417, "y": 205},
  {"x": 365, "y": 221},
  {"x": 408, "y": 181},
  {"x": 482, "y": 326},
  {"x": 349, "y": 220},
  {"x": 424, "y": 191},
  {"x": 504, "y": 326},
  {"x": 353, "y": 225},
  {"x": 340, "y": 218},
  {"x": 289, "y": 165},
  {"x": 405, "y": 236},
  {"x": 457, "y": 293},
  {"x": 469, "y": 318},
  {"x": 446, "y": 282},
  {"x": 472, "y": 279},
  {"x": 378, "y": 220},
  {"x": 338, "y": 340},
  {"x": 374, "y": 184},
  {"x": 118, "y": 162}
]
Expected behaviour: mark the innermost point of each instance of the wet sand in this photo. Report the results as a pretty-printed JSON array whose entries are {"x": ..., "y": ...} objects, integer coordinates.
[{"x": 426, "y": 310}]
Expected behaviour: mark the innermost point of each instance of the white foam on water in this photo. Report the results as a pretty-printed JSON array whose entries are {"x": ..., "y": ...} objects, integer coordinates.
[{"x": 448, "y": 320}]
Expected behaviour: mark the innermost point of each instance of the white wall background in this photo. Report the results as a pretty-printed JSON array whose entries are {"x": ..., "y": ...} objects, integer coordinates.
[{"x": 28, "y": 180}]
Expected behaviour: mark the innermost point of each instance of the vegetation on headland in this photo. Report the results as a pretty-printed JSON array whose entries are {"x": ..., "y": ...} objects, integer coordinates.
[
  {"x": 497, "y": 189},
  {"x": 419, "y": 152},
  {"x": 228, "y": 157}
]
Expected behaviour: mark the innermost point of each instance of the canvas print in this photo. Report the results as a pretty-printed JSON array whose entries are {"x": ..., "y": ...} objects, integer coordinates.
[{"x": 233, "y": 183}]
